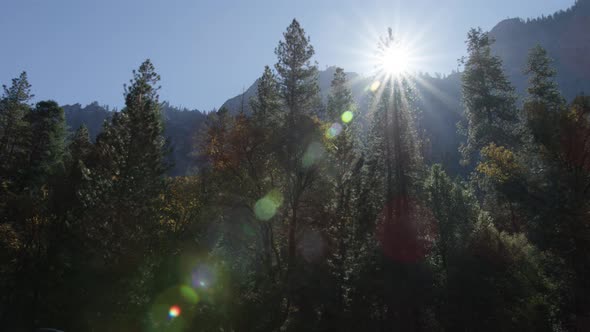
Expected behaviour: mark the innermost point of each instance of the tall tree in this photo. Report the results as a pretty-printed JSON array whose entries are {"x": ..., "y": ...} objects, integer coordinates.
[
  {"x": 489, "y": 98},
  {"x": 301, "y": 155},
  {"x": 401, "y": 224},
  {"x": 345, "y": 166},
  {"x": 47, "y": 142},
  {"x": 297, "y": 78},
  {"x": 14, "y": 131},
  {"x": 127, "y": 178},
  {"x": 394, "y": 142},
  {"x": 135, "y": 148},
  {"x": 542, "y": 87},
  {"x": 266, "y": 105},
  {"x": 297, "y": 75},
  {"x": 544, "y": 101}
]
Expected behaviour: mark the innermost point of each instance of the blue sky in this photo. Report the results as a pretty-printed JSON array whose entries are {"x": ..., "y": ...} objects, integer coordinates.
[{"x": 208, "y": 50}]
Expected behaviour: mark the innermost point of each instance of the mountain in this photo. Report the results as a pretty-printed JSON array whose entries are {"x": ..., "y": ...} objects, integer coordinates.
[
  {"x": 181, "y": 128},
  {"x": 565, "y": 37},
  {"x": 92, "y": 116}
]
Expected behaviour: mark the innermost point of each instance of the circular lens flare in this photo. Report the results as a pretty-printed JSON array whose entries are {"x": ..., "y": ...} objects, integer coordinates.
[
  {"x": 174, "y": 311},
  {"x": 375, "y": 86},
  {"x": 334, "y": 130},
  {"x": 347, "y": 116}
]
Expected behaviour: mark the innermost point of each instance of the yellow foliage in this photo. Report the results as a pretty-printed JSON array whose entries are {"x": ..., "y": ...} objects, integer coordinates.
[
  {"x": 498, "y": 163},
  {"x": 181, "y": 203}
]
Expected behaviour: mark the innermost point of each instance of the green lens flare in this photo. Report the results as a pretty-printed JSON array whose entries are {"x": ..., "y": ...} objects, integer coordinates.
[
  {"x": 266, "y": 207},
  {"x": 347, "y": 116}
]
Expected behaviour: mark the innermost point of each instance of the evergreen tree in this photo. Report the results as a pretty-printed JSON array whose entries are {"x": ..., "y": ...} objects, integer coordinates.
[
  {"x": 126, "y": 179},
  {"x": 47, "y": 142},
  {"x": 493, "y": 131},
  {"x": 297, "y": 78},
  {"x": 542, "y": 87},
  {"x": 394, "y": 143},
  {"x": 266, "y": 105},
  {"x": 394, "y": 271},
  {"x": 345, "y": 173},
  {"x": 14, "y": 131},
  {"x": 301, "y": 156},
  {"x": 134, "y": 149},
  {"x": 455, "y": 211},
  {"x": 489, "y": 98},
  {"x": 80, "y": 146},
  {"x": 544, "y": 101}
]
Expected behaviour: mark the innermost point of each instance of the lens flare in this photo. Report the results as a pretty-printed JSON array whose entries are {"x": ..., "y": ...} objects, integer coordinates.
[
  {"x": 375, "y": 86},
  {"x": 334, "y": 130},
  {"x": 312, "y": 246},
  {"x": 406, "y": 230},
  {"x": 266, "y": 207},
  {"x": 202, "y": 276},
  {"x": 189, "y": 294},
  {"x": 347, "y": 116},
  {"x": 315, "y": 151},
  {"x": 174, "y": 311}
]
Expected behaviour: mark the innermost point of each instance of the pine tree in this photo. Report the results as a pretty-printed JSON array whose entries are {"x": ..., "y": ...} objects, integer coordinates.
[
  {"x": 454, "y": 209},
  {"x": 135, "y": 136},
  {"x": 126, "y": 179},
  {"x": 46, "y": 147},
  {"x": 266, "y": 105},
  {"x": 130, "y": 160},
  {"x": 394, "y": 143},
  {"x": 489, "y": 98},
  {"x": 401, "y": 223},
  {"x": 14, "y": 131},
  {"x": 80, "y": 146},
  {"x": 301, "y": 156},
  {"x": 544, "y": 101},
  {"x": 542, "y": 87},
  {"x": 297, "y": 78},
  {"x": 345, "y": 170},
  {"x": 77, "y": 175}
]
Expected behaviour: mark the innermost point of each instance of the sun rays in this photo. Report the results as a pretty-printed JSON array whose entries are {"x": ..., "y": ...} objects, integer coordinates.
[{"x": 397, "y": 57}]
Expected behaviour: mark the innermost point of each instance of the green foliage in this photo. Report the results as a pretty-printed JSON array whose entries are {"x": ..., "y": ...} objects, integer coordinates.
[
  {"x": 14, "y": 128},
  {"x": 297, "y": 76},
  {"x": 47, "y": 142},
  {"x": 299, "y": 220},
  {"x": 491, "y": 114},
  {"x": 498, "y": 283},
  {"x": 542, "y": 87},
  {"x": 266, "y": 105}
]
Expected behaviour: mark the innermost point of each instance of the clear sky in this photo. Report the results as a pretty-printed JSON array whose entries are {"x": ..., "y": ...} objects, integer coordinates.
[{"x": 209, "y": 50}]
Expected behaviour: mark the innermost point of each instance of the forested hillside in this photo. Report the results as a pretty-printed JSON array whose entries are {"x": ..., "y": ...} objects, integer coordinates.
[
  {"x": 564, "y": 36},
  {"x": 182, "y": 129},
  {"x": 320, "y": 201}
]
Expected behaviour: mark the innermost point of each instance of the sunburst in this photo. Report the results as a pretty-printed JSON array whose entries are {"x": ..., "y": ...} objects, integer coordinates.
[{"x": 395, "y": 59}]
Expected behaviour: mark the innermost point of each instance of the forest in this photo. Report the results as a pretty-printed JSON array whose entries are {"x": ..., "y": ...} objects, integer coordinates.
[{"x": 303, "y": 214}]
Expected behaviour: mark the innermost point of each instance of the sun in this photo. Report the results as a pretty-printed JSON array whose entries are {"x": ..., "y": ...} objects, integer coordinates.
[
  {"x": 395, "y": 57},
  {"x": 395, "y": 60}
]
